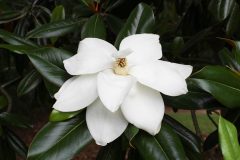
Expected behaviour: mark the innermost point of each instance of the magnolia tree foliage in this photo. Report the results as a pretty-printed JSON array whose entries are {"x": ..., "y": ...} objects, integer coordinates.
[{"x": 37, "y": 39}]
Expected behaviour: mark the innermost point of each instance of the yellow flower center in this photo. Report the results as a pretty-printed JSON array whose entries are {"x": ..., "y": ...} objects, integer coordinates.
[{"x": 121, "y": 67}]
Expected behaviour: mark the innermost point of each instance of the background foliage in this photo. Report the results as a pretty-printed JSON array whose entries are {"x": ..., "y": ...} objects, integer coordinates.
[{"x": 36, "y": 36}]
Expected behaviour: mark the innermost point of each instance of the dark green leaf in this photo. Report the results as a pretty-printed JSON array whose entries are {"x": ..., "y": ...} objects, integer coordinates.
[
  {"x": 60, "y": 140},
  {"x": 192, "y": 100},
  {"x": 221, "y": 82},
  {"x": 28, "y": 83},
  {"x": 94, "y": 27},
  {"x": 52, "y": 88},
  {"x": 171, "y": 143},
  {"x": 131, "y": 132},
  {"x": 148, "y": 147},
  {"x": 19, "y": 49},
  {"x": 14, "y": 120},
  {"x": 14, "y": 39},
  {"x": 48, "y": 70},
  {"x": 190, "y": 141},
  {"x": 17, "y": 144},
  {"x": 54, "y": 29},
  {"x": 61, "y": 116},
  {"x": 141, "y": 20},
  {"x": 228, "y": 138},
  {"x": 51, "y": 54}
]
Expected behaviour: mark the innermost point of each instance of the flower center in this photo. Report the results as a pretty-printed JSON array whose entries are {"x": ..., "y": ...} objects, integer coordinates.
[{"x": 120, "y": 66}]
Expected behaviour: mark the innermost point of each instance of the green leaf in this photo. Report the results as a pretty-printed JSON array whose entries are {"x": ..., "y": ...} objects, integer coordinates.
[
  {"x": 236, "y": 51},
  {"x": 61, "y": 116},
  {"x": 191, "y": 100},
  {"x": 48, "y": 70},
  {"x": 54, "y": 29},
  {"x": 94, "y": 27},
  {"x": 228, "y": 138},
  {"x": 190, "y": 141},
  {"x": 58, "y": 14},
  {"x": 112, "y": 151},
  {"x": 19, "y": 49},
  {"x": 28, "y": 83},
  {"x": 53, "y": 55},
  {"x": 13, "y": 120},
  {"x": 60, "y": 140},
  {"x": 171, "y": 143},
  {"x": 3, "y": 102},
  {"x": 212, "y": 79},
  {"x": 14, "y": 39},
  {"x": 149, "y": 147},
  {"x": 131, "y": 132},
  {"x": 141, "y": 20}
]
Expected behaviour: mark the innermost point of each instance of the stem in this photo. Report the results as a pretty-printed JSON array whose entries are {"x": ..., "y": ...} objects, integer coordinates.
[
  {"x": 6, "y": 94},
  {"x": 196, "y": 125},
  {"x": 214, "y": 123}
]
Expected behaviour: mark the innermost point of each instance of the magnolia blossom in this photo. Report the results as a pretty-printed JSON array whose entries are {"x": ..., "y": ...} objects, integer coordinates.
[{"x": 120, "y": 86}]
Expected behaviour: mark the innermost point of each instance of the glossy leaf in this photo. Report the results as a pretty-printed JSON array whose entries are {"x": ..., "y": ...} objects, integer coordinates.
[
  {"x": 56, "y": 116},
  {"x": 190, "y": 141},
  {"x": 228, "y": 138},
  {"x": 60, "y": 140},
  {"x": 19, "y": 49},
  {"x": 48, "y": 70},
  {"x": 131, "y": 132},
  {"x": 221, "y": 82},
  {"x": 14, "y": 39},
  {"x": 171, "y": 143},
  {"x": 54, "y": 29},
  {"x": 192, "y": 100},
  {"x": 28, "y": 83},
  {"x": 94, "y": 27},
  {"x": 141, "y": 20}
]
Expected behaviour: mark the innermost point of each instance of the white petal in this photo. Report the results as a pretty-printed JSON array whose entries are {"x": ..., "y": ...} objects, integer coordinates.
[
  {"x": 93, "y": 55},
  {"x": 76, "y": 93},
  {"x": 184, "y": 70},
  {"x": 161, "y": 77},
  {"x": 123, "y": 53},
  {"x": 144, "y": 108},
  {"x": 104, "y": 126},
  {"x": 113, "y": 89},
  {"x": 146, "y": 48}
]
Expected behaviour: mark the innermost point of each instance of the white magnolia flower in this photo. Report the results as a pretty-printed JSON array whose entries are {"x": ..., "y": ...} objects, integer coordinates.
[{"x": 127, "y": 82}]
